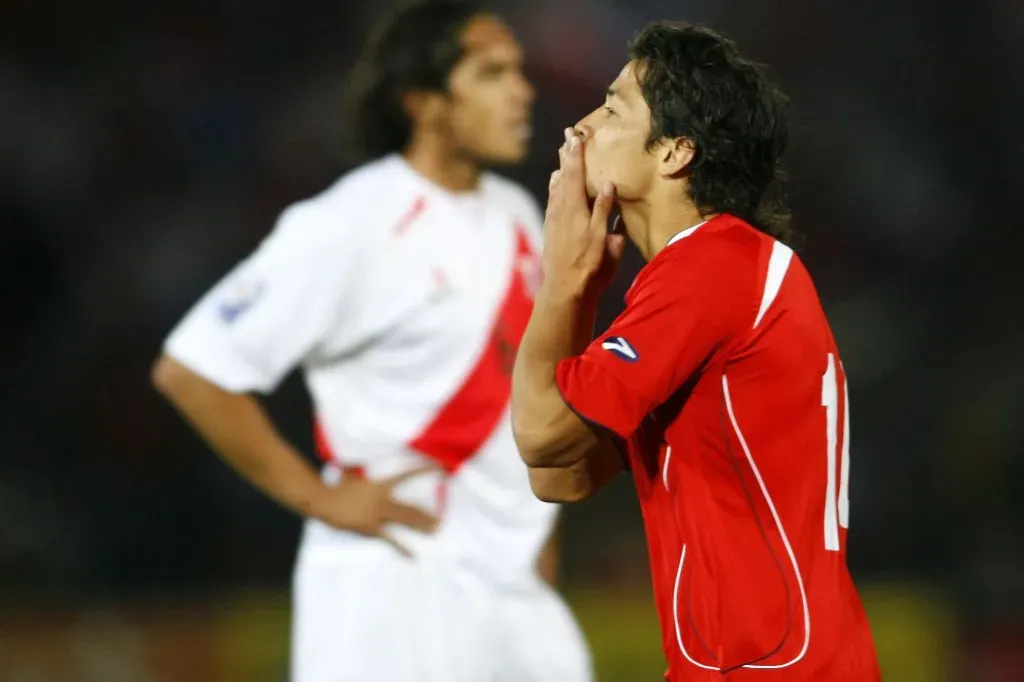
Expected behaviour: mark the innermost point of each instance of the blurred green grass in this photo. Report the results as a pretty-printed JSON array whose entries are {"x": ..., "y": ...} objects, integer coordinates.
[
  {"x": 915, "y": 633},
  {"x": 622, "y": 630},
  {"x": 245, "y": 636}
]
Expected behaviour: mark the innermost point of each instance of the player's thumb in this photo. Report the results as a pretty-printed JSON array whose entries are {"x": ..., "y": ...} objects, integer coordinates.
[{"x": 603, "y": 206}]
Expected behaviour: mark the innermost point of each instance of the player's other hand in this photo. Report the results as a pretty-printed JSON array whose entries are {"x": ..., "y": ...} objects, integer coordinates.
[
  {"x": 366, "y": 507},
  {"x": 580, "y": 256}
]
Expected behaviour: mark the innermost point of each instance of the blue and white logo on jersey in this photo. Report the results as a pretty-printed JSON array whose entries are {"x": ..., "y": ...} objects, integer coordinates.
[
  {"x": 240, "y": 298},
  {"x": 619, "y": 346}
]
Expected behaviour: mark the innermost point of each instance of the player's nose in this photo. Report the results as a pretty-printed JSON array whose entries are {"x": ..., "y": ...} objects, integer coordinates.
[
  {"x": 584, "y": 127},
  {"x": 523, "y": 91},
  {"x": 527, "y": 92}
]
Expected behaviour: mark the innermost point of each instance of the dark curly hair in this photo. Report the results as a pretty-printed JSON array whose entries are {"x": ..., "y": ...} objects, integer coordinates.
[
  {"x": 699, "y": 87},
  {"x": 414, "y": 47}
]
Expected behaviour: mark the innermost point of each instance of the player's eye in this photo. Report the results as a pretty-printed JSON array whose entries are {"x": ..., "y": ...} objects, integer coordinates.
[
  {"x": 608, "y": 110},
  {"x": 492, "y": 71}
]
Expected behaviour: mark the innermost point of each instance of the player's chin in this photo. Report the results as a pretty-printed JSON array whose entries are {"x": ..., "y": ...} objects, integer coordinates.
[{"x": 510, "y": 155}]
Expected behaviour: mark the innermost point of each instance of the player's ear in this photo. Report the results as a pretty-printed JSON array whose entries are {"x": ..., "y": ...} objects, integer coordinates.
[
  {"x": 424, "y": 106},
  {"x": 676, "y": 155}
]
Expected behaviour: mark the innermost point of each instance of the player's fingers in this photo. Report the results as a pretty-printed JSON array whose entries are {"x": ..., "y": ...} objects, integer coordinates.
[
  {"x": 563, "y": 149},
  {"x": 399, "y": 547},
  {"x": 567, "y": 134},
  {"x": 553, "y": 182},
  {"x": 410, "y": 516},
  {"x": 603, "y": 205},
  {"x": 572, "y": 165},
  {"x": 571, "y": 188},
  {"x": 615, "y": 246},
  {"x": 411, "y": 473}
]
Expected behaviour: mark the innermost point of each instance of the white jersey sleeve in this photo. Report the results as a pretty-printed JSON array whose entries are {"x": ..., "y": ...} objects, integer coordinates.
[{"x": 270, "y": 312}]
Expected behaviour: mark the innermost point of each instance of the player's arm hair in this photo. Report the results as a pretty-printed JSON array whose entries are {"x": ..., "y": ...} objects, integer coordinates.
[
  {"x": 569, "y": 460},
  {"x": 238, "y": 429}
]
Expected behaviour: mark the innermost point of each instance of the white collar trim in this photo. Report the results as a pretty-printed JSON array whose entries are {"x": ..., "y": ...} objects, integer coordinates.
[{"x": 685, "y": 233}]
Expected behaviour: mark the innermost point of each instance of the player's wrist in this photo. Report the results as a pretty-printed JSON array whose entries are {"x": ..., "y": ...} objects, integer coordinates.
[
  {"x": 311, "y": 500},
  {"x": 562, "y": 291}
]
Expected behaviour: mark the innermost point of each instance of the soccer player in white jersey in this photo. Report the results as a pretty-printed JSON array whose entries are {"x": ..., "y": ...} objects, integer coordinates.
[{"x": 401, "y": 292}]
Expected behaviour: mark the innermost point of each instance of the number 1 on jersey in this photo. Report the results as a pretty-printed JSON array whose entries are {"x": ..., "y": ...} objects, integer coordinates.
[{"x": 837, "y": 503}]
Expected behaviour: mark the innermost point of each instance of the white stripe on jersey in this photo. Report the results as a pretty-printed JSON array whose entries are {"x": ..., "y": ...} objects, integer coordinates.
[{"x": 778, "y": 265}]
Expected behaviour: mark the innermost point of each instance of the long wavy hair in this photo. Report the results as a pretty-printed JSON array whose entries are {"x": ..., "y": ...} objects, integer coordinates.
[{"x": 415, "y": 47}]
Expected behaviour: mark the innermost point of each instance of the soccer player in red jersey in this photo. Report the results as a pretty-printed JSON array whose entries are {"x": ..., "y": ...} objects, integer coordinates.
[{"x": 720, "y": 387}]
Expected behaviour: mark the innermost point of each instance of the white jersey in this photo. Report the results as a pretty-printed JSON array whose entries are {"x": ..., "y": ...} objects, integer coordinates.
[{"x": 403, "y": 303}]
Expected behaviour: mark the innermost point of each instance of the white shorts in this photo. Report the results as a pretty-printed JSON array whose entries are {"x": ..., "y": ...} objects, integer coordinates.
[{"x": 368, "y": 616}]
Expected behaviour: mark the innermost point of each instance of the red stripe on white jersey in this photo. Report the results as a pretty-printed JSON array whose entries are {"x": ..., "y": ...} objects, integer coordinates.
[
  {"x": 411, "y": 216},
  {"x": 464, "y": 424},
  {"x": 326, "y": 453},
  {"x": 320, "y": 443}
]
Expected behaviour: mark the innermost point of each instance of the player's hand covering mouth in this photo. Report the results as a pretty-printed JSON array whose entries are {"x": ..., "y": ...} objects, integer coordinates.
[{"x": 579, "y": 251}]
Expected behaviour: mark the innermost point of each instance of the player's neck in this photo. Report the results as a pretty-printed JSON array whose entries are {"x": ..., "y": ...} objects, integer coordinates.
[
  {"x": 652, "y": 222},
  {"x": 431, "y": 158}
]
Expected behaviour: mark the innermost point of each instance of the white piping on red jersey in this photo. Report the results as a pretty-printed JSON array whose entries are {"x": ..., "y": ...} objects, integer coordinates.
[
  {"x": 675, "y": 616},
  {"x": 684, "y": 234},
  {"x": 785, "y": 542},
  {"x": 664, "y": 469},
  {"x": 778, "y": 265}
]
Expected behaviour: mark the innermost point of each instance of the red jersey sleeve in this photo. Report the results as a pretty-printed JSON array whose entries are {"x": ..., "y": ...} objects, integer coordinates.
[{"x": 682, "y": 307}]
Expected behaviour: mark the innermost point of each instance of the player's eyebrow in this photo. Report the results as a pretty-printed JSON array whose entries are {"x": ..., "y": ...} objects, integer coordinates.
[{"x": 613, "y": 93}]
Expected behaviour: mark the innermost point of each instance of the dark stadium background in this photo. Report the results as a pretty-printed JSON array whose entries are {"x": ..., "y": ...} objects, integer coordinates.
[{"x": 147, "y": 146}]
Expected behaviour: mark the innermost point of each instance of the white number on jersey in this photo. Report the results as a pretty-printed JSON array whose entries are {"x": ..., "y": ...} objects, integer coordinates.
[{"x": 837, "y": 504}]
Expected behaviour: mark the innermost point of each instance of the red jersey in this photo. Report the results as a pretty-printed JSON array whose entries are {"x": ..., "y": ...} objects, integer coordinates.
[{"x": 724, "y": 378}]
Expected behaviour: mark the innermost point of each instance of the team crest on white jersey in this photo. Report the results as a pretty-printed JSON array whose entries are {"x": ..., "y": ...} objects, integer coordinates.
[{"x": 239, "y": 298}]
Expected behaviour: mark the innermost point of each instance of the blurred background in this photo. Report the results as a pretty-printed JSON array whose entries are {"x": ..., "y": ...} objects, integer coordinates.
[{"x": 147, "y": 147}]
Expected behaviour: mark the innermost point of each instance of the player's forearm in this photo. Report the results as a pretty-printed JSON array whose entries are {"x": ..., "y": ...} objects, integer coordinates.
[
  {"x": 547, "y": 432},
  {"x": 238, "y": 429}
]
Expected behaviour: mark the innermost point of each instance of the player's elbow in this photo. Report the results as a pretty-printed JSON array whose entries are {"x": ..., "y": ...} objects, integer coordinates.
[
  {"x": 531, "y": 440},
  {"x": 558, "y": 485},
  {"x": 543, "y": 451},
  {"x": 531, "y": 448},
  {"x": 543, "y": 443},
  {"x": 169, "y": 377}
]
